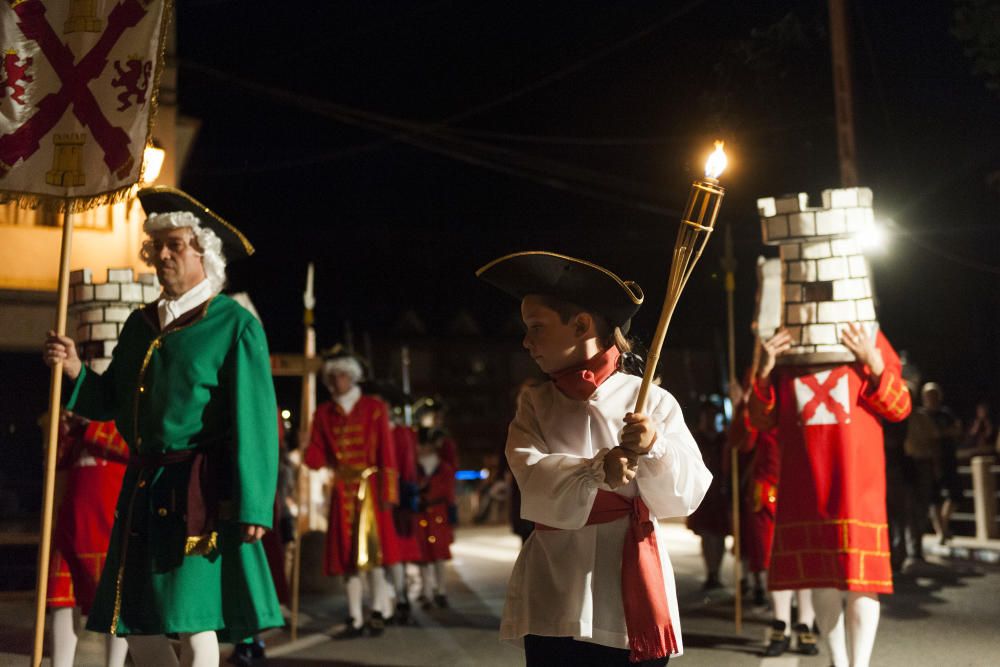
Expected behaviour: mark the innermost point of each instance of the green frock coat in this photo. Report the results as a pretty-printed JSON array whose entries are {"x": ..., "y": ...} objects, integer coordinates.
[{"x": 204, "y": 382}]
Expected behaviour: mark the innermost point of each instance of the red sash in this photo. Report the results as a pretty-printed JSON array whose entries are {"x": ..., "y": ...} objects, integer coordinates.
[{"x": 647, "y": 614}]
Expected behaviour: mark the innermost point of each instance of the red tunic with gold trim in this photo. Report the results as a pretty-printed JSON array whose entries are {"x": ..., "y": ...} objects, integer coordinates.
[
  {"x": 93, "y": 455},
  {"x": 360, "y": 450},
  {"x": 405, "y": 516},
  {"x": 831, "y": 527},
  {"x": 437, "y": 496},
  {"x": 760, "y": 501}
]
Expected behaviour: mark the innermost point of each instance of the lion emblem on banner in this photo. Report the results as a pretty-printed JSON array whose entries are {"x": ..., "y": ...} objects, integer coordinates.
[
  {"x": 134, "y": 79},
  {"x": 13, "y": 74}
]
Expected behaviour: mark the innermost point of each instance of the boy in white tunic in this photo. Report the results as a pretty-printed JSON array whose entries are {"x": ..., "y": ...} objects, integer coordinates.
[{"x": 591, "y": 586}]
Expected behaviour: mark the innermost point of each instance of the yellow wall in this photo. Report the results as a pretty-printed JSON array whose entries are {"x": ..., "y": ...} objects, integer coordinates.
[{"x": 29, "y": 254}]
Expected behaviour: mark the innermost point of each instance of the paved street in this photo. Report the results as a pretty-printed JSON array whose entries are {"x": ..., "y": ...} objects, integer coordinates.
[{"x": 943, "y": 614}]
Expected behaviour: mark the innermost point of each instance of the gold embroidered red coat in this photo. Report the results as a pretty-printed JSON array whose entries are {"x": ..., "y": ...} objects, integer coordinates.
[
  {"x": 831, "y": 527},
  {"x": 93, "y": 456},
  {"x": 360, "y": 450}
]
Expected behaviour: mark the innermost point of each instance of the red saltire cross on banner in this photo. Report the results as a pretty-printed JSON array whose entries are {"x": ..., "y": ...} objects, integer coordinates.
[
  {"x": 822, "y": 396},
  {"x": 23, "y": 142}
]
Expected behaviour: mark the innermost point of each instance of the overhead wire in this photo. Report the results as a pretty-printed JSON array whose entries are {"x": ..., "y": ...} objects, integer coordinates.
[{"x": 474, "y": 110}]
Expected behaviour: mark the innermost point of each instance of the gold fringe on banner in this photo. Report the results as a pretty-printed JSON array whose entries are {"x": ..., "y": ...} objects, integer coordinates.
[{"x": 33, "y": 200}]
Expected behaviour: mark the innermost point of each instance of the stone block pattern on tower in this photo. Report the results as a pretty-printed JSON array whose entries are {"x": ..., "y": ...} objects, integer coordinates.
[
  {"x": 101, "y": 309},
  {"x": 825, "y": 277}
]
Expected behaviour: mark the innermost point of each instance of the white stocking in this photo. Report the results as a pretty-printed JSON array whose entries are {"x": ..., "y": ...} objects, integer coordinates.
[
  {"x": 427, "y": 580},
  {"x": 439, "y": 576},
  {"x": 862, "y": 621},
  {"x": 63, "y": 637},
  {"x": 200, "y": 649},
  {"x": 783, "y": 608},
  {"x": 829, "y": 606},
  {"x": 398, "y": 572},
  {"x": 352, "y": 585},
  {"x": 381, "y": 593},
  {"x": 152, "y": 651},
  {"x": 807, "y": 615},
  {"x": 115, "y": 651}
]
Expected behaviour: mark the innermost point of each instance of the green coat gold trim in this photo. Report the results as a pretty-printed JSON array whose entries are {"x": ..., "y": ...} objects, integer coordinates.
[{"x": 203, "y": 385}]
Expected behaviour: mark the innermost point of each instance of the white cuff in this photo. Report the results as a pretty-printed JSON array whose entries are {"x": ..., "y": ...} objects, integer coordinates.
[{"x": 595, "y": 470}]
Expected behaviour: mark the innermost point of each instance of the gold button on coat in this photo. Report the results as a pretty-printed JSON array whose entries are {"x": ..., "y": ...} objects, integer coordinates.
[{"x": 162, "y": 511}]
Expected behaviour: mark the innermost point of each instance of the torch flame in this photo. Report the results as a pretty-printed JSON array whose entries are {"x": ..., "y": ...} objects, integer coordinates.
[{"x": 716, "y": 161}]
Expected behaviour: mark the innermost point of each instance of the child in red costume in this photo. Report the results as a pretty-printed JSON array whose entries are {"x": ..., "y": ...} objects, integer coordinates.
[
  {"x": 436, "y": 479},
  {"x": 92, "y": 456},
  {"x": 831, "y": 531}
]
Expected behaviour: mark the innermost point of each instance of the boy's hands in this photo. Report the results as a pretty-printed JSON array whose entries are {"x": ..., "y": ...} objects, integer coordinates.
[
  {"x": 639, "y": 434},
  {"x": 619, "y": 467}
]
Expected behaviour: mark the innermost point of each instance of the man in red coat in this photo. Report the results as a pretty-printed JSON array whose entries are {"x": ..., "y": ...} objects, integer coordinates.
[
  {"x": 831, "y": 532},
  {"x": 92, "y": 456},
  {"x": 351, "y": 435}
]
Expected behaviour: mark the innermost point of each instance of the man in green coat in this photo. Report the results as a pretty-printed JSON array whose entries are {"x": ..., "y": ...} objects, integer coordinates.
[{"x": 190, "y": 390}]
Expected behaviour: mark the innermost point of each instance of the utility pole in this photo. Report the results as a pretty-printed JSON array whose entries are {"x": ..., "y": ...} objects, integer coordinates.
[{"x": 843, "y": 93}]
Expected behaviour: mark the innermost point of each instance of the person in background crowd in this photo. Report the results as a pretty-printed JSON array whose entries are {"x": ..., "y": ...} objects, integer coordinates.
[
  {"x": 430, "y": 413},
  {"x": 437, "y": 516},
  {"x": 352, "y": 436},
  {"x": 711, "y": 520},
  {"x": 947, "y": 484},
  {"x": 981, "y": 437}
]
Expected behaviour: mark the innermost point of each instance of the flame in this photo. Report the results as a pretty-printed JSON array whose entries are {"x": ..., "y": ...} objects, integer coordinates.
[{"x": 716, "y": 163}]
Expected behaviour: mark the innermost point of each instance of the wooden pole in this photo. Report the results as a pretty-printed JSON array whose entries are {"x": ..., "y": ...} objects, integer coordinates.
[
  {"x": 307, "y": 406},
  {"x": 729, "y": 266},
  {"x": 52, "y": 444},
  {"x": 843, "y": 94}
]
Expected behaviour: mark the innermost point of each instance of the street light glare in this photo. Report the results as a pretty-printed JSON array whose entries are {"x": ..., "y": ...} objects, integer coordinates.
[{"x": 874, "y": 239}]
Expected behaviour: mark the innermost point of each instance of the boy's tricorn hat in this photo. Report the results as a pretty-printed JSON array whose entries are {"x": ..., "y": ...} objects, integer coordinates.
[
  {"x": 164, "y": 199},
  {"x": 592, "y": 287}
]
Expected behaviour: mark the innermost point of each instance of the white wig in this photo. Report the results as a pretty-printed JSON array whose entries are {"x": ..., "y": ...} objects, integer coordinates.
[
  {"x": 212, "y": 257},
  {"x": 347, "y": 365}
]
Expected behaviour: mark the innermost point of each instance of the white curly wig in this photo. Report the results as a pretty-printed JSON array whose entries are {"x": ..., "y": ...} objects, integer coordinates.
[{"x": 212, "y": 257}]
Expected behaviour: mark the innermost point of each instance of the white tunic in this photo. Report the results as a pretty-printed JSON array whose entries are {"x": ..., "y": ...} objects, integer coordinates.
[{"x": 567, "y": 583}]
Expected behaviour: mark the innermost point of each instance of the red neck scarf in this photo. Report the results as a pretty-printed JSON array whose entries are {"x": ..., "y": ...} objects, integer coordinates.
[{"x": 580, "y": 382}]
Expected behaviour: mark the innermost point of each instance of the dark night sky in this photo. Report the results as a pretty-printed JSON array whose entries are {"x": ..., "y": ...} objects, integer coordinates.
[{"x": 619, "y": 101}]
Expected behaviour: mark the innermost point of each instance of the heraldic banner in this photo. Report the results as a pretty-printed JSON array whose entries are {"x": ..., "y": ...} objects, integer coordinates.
[{"x": 77, "y": 98}]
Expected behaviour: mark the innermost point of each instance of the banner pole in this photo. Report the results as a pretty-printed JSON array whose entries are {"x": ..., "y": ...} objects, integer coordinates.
[{"x": 51, "y": 446}]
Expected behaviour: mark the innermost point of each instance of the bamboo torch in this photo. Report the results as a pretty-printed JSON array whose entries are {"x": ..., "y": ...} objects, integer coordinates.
[{"x": 696, "y": 226}]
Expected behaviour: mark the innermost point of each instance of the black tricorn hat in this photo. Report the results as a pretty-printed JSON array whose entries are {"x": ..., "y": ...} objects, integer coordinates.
[
  {"x": 164, "y": 199},
  {"x": 577, "y": 281}
]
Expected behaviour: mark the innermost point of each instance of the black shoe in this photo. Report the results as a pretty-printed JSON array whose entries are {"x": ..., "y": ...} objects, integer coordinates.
[
  {"x": 711, "y": 583},
  {"x": 441, "y": 601},
  {"x": 349, "y": 631},
  {"x": 759, "y": 599},
  {"x": 779, "y": 641},
  {"x": 246, "y": 655},
  {"x": 402, "y": 616},
  {"x": 376, "y": 624},
  {"x": 805, "y": 640}
]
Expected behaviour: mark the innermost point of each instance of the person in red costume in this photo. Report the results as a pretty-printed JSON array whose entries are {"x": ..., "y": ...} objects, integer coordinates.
[
  {"x": 404, "y": 514},
  {"x": 438, "y": 514},
  {"x": 351, "y": 435},
  {"x": 92, "y": 456},
  {"x": 831, "y": 533}
]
